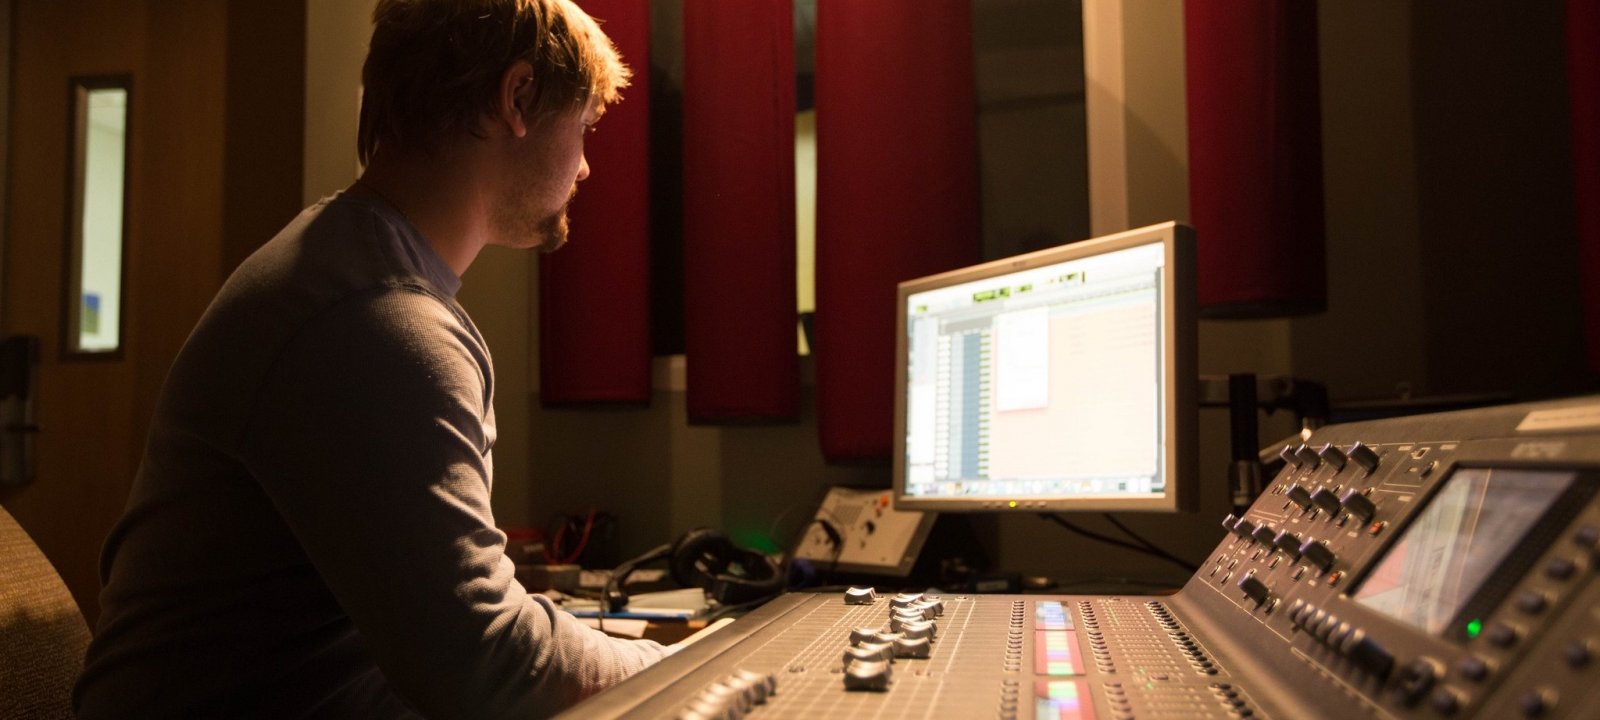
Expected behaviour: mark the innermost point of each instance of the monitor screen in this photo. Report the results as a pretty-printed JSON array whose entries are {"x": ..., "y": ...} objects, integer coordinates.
[
  {"x": 1057, "y": 380},
  {"x": 1447, "y": 555}
]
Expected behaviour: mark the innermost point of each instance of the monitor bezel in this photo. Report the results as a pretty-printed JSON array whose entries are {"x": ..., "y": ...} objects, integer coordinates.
[{"x": 1178, "y": 362}]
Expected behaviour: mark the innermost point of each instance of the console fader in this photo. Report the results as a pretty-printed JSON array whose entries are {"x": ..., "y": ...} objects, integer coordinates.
[{"x": 1438, "y": 566}]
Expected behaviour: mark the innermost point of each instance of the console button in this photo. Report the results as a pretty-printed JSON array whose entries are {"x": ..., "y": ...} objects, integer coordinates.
[
  {"x": 1502, "y": 635},
  {"x": 1532, "y": 602},
  {"x": 1537, "y": 701},
  {"x": 1446, "y": 701},
  {"x": 1578, "y": 653},
  {"x": 1587, "y": 536},
  {"x": 1560, "y": 569},
  {"x": 1417, "y": 679},
  {"x": 1473, "y": 668},
  {"x": 1371, "y": 656}
]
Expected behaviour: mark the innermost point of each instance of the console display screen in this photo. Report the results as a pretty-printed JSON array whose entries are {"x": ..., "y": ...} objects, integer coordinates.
[{"x": 1458, "y": 541}]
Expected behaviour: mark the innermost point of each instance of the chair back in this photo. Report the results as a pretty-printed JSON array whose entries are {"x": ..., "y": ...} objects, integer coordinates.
[{"x": 42, "y": 635}]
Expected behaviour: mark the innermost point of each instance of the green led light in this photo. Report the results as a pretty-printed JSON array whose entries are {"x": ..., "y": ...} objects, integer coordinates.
[{"x": 1474, "y": 627}]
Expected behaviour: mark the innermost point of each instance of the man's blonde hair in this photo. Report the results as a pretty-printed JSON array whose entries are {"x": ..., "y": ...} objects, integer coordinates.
[{"x": 433, "y": 68}]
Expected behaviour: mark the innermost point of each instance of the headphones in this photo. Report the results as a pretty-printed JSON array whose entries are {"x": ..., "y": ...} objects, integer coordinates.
[{"x": 707, "y": 559}]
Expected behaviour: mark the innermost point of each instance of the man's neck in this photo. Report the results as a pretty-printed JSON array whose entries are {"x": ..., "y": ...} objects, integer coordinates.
[{"x": 436, "y": 194}]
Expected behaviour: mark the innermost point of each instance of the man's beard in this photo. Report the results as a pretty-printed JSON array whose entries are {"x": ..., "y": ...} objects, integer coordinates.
[{"x": 518, "y": 227}]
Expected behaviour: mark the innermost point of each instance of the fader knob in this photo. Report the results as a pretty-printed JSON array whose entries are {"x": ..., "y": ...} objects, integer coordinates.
[
  {"x": 1300, "y": 496},
  {"x": 1317, "y": 553},
  {"x": 1243, "y": 528},
  {"x": 1309, "y": 458},
  {"x": 1332, "y": 455},
  {"x": 1288, "y": 456},
  {"x": 867, "y": 676},
  {"x": 1359, "y": 505},
  {"x": 1364, "y": 456}
]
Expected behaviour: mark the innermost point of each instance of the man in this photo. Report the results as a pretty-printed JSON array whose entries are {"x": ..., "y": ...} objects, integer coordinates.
[{"x": 310, "y": 532}]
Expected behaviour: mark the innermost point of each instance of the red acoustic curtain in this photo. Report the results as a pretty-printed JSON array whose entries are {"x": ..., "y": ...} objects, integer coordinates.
[
  {"x": 1583, "y": 83},
  {"x": 1255, "y": 157},
  {"x": 594, "y": 294},
  {"x": 738, "y": 211},
  {"x": 897, "y": 194}
]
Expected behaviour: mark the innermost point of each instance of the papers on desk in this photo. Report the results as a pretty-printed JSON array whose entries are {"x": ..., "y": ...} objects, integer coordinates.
[
  {"x": 621, "y": 627},
  {"x": 667, "y": 604}
]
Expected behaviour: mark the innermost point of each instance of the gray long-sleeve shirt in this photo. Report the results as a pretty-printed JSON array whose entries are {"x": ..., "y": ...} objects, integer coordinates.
[{"x": 310, "y": 532}]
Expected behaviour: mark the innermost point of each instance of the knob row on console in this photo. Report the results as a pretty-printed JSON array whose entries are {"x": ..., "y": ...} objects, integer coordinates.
[
  {"x": 731, "y": 697},
  {"x": 1304, "y": 457},
  {"x": 1312, "y": 550},
  {"x": 1354, "y": 501},
  {"x": 1342, "y": 637}
]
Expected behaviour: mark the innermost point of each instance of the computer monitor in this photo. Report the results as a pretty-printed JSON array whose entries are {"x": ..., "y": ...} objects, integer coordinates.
[{"x": 1059, "y": 380}]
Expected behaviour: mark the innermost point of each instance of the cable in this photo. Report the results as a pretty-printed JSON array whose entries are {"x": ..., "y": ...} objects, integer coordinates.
[
  {"x": 552, "y": 550},
  {"x": 619, "y": 576},
  {"x": 1157, "y": 552},
  {"x": 1155, "y": 549}
]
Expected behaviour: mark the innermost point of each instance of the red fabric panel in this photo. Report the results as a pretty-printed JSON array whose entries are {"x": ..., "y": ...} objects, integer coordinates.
[
  {"x": 738, "y": 211},
  {"x": 594, "y": 293},
  {"x": 1583, "y": 83},
  {"x": 897, "y": 194},
  {"x": 1255, "y": 157}
]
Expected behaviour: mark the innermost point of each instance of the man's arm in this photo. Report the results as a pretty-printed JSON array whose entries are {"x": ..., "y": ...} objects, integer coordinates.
[{"x": 369, "y": 438}]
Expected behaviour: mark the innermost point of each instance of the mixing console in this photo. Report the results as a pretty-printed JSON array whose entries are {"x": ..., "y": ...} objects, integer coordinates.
[{"x": 1430, "y": 567}]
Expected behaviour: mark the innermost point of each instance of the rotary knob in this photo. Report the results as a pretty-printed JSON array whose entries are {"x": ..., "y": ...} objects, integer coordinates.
[
  {"x": 1332, "y": 455},
  {"x": 1254, "y": 589},
  {"x": 1264, "y": 534},
  {"x": 1318, "y": 554},
  {"x": 1358, "y": 505},
  {"x": 1309, "y": 459},
  {"x": 1289, "y": 543},
  {"x": 1325, "y": 499},
  {"x": 1364, "y": 456}
]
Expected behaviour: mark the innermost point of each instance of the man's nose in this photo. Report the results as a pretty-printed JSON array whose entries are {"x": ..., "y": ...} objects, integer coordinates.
[{"x": 583, "y": 167}]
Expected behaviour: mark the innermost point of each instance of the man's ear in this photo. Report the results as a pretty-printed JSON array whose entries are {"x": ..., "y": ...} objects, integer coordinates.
[{"x": 514, "y": 98}]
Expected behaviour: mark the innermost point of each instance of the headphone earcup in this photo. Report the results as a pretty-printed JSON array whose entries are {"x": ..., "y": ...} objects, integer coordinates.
[
  {"x": 699, "y": 556},
  {"x": 747, "y": 577}
]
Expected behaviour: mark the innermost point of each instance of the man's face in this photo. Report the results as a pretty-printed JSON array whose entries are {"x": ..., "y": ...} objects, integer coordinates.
[{"x": 543, "y": 174}]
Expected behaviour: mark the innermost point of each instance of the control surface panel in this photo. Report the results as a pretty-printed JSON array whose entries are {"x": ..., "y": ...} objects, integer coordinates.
[{"x": 1438, "y": 566}]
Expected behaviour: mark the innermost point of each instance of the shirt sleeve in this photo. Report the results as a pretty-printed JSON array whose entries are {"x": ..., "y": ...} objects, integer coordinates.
[{"x": 369, "y": 437}]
